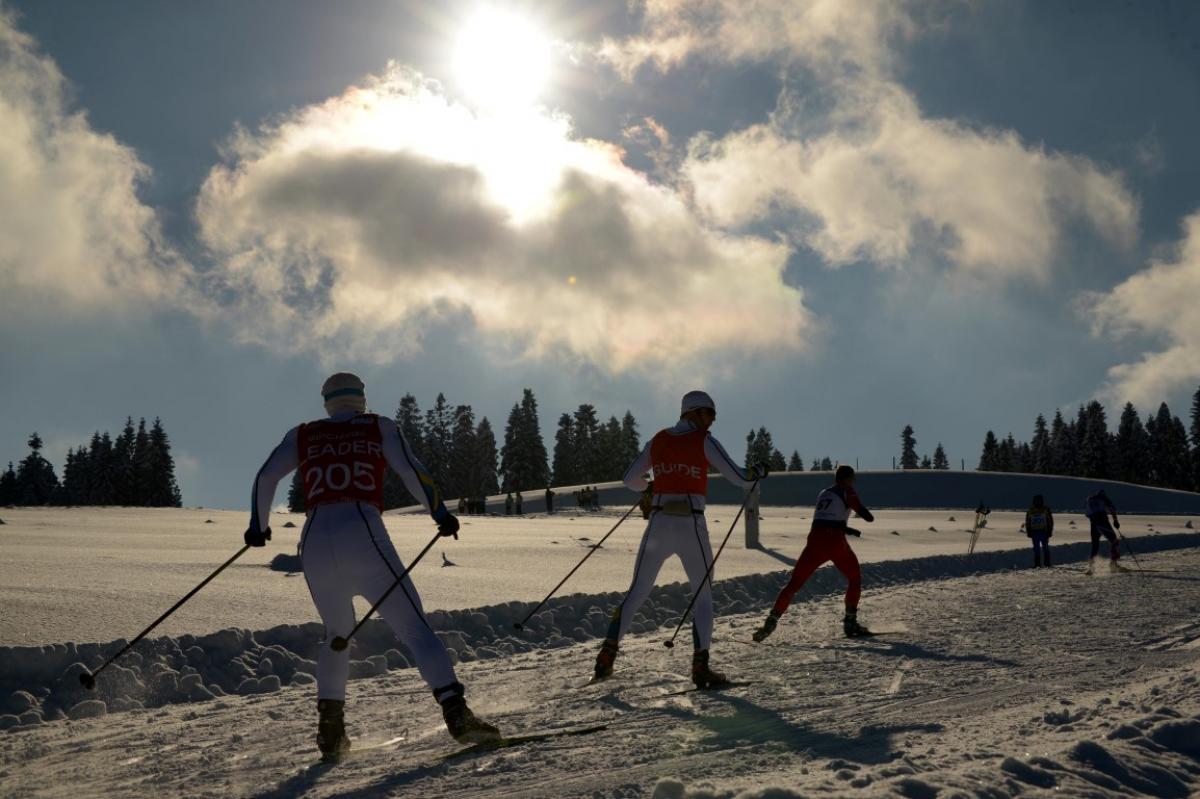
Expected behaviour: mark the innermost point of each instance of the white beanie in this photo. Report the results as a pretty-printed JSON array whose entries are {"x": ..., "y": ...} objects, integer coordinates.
[
  {"x": 344, "y": 392},
  {"x": 696, "y": 399}
]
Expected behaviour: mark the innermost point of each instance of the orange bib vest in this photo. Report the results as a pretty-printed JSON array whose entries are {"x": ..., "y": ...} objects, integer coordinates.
[
  {"x": 342, "y": 461},
  {"x": 679, "y": 463}
]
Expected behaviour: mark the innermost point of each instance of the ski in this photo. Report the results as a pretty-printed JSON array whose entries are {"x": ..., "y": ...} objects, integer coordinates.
[
  {"x": 517, "y": 740},
  {"x": 357, "y": 749}
]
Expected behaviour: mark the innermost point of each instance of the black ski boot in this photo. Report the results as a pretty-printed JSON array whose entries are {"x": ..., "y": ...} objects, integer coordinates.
[
  {"x": 463, "y": 725},
  {"x": 1037, "y": 559},
  {"x": 851, "y": 627},
  {"x": 1046, "y": 559},
  {"x": 605, "y": 659},
  {"x": 768, "y": 627},
  {"x": 702, "y": 675},
  {"x": 331, "y": 730}
]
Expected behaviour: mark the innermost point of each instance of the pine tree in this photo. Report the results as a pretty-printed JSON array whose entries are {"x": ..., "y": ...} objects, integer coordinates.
[
  {"x": 816, "y": 465},
  {"x": 75, "y": 478},
  {"x": 36, "y": 481},
  {"x": 165, "y": 491},
  {"x": 101, "y": 490},
  {"x": 122, "y": 465},
  {"x": 611, "y": 451},
  {"x": 142, "y": 475},
  {"x": 939, "y": 458},
  {"x": 777, "y": 462},
  {"x": 1006, "y": 457},
  {"x": 1040, "y": 447},
  {"x": 463, "y": 469},
  {"x": 564, "y": 452},
  {"x": 795, "y": 463},
  {"x": 8, "y": 486},
  {"x": 1133, "y": 448},
  {"x": 1062, "y": 446},
  {"x": 1180, "y": 456},
  {"x": 1168, "y": 459},
  {"x": 759, "y": 447},
  {"x": 1195, "y": 436},
  {"x": 438, "y": 442},
  {"x": 631, "y": 445},
  {"x": 926, "y": 463},
  {"x": 486, "y": 483},
  {"x": 587, "y": 444},
  {"x": 908, "y": 448},
  {"x": 826, "y": 464},
  {"x": 1093, "y": 442},
  {"x": 412, "y": 427},
  {"x": 296, "y": 493},
  {"x": 989, "y": 459},
  {"x": 523, "y": 462}
]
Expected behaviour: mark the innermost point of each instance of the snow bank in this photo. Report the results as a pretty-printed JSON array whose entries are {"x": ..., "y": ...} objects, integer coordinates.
[{"x": 42, "y": 683}]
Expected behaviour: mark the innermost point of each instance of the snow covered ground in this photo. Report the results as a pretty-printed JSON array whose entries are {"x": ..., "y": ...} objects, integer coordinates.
[{"x": 998, "y": 682}]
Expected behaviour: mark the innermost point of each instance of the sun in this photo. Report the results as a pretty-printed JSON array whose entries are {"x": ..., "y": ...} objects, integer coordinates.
[{"x": 502, "y": 59}]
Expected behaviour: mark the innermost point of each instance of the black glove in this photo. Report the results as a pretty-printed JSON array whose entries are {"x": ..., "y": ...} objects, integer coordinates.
[
  {"x": 853, "y": 532},
  {"x": 257, "y": 538},
  {"x": 448, "y": 526},
  {"x": 761, "y": 470},
  {"x": 866, "y": 515}
]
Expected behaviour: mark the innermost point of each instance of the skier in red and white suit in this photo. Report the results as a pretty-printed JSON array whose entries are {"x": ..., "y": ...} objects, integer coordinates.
[
  {"x": 827, "y": 542},
  {"x": 678, "y": 458},
  {"x": 345, "y": 549}
]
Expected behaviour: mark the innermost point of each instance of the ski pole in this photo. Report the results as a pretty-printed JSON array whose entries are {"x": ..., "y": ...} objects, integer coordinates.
[
  {"x": 671, "y": 644},
  {"x": 520, "y": 625},
  {"x": 1126, "y": 540},
  {"x": 339, "y": 643},
  {"x": 88, "y": 678}
]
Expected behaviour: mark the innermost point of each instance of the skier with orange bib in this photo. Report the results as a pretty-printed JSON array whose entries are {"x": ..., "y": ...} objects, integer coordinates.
[
  {"x": 345, "y": 549},
  {"x": 827, "y": 542},
  {"x": 679, "y": 459}
]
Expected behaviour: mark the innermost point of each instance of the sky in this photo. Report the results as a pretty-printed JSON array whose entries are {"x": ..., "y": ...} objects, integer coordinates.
[{"x": 837, "y": 216}]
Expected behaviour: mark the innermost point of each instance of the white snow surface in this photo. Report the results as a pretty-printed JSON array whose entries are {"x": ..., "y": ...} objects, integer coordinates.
[{"x": 997, "y": 681}]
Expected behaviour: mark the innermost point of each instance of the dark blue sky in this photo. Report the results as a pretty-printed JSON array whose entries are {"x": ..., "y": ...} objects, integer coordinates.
[{"x": 892, "y": 344}]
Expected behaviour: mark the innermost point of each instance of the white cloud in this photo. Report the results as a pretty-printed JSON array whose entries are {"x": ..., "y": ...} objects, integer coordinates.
[
  {"x": 346, "y": 226},
  {"x": 73, "y": 232},
  {"x": 871, "y": 178},
  {"x": 1160, "y": 301}
]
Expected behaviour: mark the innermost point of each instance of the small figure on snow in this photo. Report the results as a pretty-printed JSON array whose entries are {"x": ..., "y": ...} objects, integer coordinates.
[
  {"x": 508, "y": 504},
  {"x": 1039, "y": 526},
  {"x": 346, "y": 551},
  {"x": 1099, "y": 506},
  {"x": 679, "y": 458},
  {"x": 827, "y": 542},
  {"x": 549, "y": 500}
]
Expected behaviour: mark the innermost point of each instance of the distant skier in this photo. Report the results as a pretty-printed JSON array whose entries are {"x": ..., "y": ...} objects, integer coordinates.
[
  {"x": 827, "y": 542},
  {"x": 549, "y": 500},
  {"x": 679, "y": 458},
  {"x": 1039, "y": 526},
  {"x": 508, "y": 504},
  {"x": 1099, "y": 506},
  {"x": 346, "y": 551}
]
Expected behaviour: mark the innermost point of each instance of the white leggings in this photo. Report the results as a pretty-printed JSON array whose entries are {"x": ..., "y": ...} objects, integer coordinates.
[
  {"x": 687, "y": 537},
  {"x": 345, "y": 553}
]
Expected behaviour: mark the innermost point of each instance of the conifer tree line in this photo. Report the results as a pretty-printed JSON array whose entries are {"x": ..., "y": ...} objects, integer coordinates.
[
  {"x": 134, "y": 469},
  {"x": 908, "y": 453},
  {"x": 760, "y": 448},
  {"x": 1157, "y": 452}
]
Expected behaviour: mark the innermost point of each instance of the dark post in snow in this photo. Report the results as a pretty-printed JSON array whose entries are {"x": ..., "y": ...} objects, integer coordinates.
[{"x": 752, "y": 518}]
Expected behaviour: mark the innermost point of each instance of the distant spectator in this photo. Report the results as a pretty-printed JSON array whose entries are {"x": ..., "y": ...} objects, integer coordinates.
[
  {"x": 595, "y": 498},
  {"x": 520, "y": 503},
  {"x": 508, "y": 504},
  {"x": 549, "y": 500},
  {"x": 462, "y": 506},
  {"x": 1039, "y": 526}
]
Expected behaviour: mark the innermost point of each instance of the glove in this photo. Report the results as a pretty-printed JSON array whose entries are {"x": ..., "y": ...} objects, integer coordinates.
[
  {"x": 866, "y": 515},
  {"x": 853, "y": 532},
  {"x": 256, "y": 538},
  {"x": 448, "y": 526},
  {"x": 760, "y": 471}
]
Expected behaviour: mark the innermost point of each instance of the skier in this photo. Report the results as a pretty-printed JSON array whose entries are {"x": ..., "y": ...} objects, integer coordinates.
[
  {"x": 346, "y": 551},
  {"x": 1039, "y": 526},
  {"x": 549, "y": 500},
  {"x": 827, "y": 541},
  {"x": 679, "y": 458},
  {"x": 1099, "y": 506}
]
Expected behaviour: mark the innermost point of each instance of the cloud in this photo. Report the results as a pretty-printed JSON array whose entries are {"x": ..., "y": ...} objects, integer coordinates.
[
  {"x": 347, "y": 226},
  {"x": 1160, "y": 301},
  {"x": 73, "y": 233},
  {"x": 850, "y": 166}
]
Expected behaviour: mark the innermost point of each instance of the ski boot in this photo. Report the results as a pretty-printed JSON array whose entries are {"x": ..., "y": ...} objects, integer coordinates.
[
  {"x": 1037, "y": 559},
  {"x": 1091, "y": 567},
  {"x": 331, "y": 730},
  {"x": 605, "y": 659},
  {"x": 851, "y": 627},
  {"x": 768, "y": 627},
  {"x": 1115, "y": 566},
  {"x": 463, "y": 725},
  {"x": 702, "y": 675}
]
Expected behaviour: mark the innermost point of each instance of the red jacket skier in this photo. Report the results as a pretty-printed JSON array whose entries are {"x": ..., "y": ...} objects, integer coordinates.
[{"x": 827, "y": 542}]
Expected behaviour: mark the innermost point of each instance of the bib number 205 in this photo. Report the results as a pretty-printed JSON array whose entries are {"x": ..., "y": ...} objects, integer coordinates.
[{"x": 339, "y": 477}]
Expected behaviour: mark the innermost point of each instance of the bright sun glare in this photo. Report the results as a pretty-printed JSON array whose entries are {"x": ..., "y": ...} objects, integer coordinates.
[{"x": 502, "y": 60}]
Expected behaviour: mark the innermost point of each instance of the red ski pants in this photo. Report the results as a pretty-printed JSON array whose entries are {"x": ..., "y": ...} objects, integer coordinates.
[{"x": 824, "y": 544}]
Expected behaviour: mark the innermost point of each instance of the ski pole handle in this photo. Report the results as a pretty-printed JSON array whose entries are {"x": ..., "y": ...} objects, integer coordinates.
[
  {"x": 339, "y": 643},
  {"x": 708, "y": 574},
  {"x": 88, "y": 678},
  {"x": 520, "y": 625}
]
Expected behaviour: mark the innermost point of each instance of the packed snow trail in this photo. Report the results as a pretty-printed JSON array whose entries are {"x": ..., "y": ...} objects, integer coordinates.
[{"x": 1005, "y": 683}]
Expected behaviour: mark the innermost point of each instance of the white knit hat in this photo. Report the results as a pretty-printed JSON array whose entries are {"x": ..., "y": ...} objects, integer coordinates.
[
  {"x": 696, "y": 399},
  {"x": 344, "y": 392}
]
